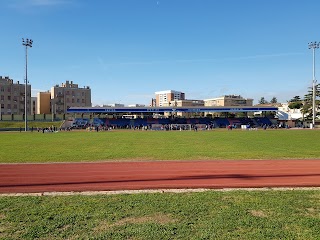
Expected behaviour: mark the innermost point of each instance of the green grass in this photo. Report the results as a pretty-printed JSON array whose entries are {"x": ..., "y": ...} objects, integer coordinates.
[
  {"x": 157, "y": 145},
  {"x": 208, "y": 215}
]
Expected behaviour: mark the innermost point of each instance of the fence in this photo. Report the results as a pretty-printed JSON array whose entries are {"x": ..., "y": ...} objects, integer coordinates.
[{"x": 42, "y": 117}]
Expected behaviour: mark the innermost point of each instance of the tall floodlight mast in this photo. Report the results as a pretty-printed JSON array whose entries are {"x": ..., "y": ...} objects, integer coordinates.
[
  {"x": 27, "y": 43},
  {"x": 313, "y": 46}
]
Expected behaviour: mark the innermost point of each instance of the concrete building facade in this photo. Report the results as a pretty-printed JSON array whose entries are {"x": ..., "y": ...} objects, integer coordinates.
[
  {"x": 228, "y": 100},
  {"x": 164, "y": 97},
  {"x": 185, "y": 103},
  {"x": 68, "y": 95},
  {"x": 12, "y": 97},
  {"x": 34, "y": 104}
]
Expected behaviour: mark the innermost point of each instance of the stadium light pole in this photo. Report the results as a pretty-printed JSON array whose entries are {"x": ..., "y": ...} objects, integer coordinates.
[
  {"x": 313, "y": 46},
  {"x": 27, "y": 43}
]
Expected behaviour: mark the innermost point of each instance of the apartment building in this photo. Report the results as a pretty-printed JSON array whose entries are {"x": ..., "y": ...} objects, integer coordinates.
[
  {"x": 164, "y": 97},
  {"x": 68, "y": 95},
  {"x": 12, "y": 97},
  {"x": 229, "y": 100}
]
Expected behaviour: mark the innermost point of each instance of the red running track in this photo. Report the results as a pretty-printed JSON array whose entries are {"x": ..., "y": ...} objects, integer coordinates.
[{"x": 103, "y": 176}]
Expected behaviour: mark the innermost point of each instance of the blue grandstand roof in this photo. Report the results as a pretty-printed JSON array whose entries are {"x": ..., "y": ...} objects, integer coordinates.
[{"x": 166, "y": 109}]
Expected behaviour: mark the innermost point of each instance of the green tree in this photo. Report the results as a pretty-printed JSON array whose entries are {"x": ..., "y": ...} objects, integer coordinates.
[
  {"x": 295, "y": 99},
  {"x": 307, "y": 104},
  {"x": 295, "y": 103},
  {"x": 306, "y": 109},
  {"x": 274, "y": 100},
  {"x": 263, "y": 100}
]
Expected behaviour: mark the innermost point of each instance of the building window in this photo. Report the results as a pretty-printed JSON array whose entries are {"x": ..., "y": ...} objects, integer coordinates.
[
  {"x": 82, "y": 94},
  {"x": 9, "y": 89},
  {"x": 15, "y": 106},
  {"x": 9, "y": 97},
  {"x": 2, "y": 97},
  {"x": 2, "y": 105},
  {"x": 78, "y": 100},
  {"x": 67, "y": 93},
  {"x": 2, "y": 89},
  {"x": 9, "y": 106},
  {"x": 82, "y": 100}
]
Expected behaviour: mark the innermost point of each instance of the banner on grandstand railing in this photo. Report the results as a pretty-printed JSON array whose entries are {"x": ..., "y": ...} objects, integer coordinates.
[
  {"x": 202, "y": 126},
  {"x": 157, "y": 127}
]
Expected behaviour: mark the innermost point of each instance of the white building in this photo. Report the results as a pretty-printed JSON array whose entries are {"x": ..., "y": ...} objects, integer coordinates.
[
  {"x": 113, "y": 105},
  {"x": 136, "y": 105},
  {"x": 286, "y": 113}
]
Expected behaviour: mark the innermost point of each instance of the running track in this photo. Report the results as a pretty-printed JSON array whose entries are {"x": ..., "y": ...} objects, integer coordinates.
[{"x": 104, "y": 176}]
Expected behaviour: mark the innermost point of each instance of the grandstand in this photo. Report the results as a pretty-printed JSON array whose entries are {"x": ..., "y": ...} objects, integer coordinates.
[{"x": 113, "y": 117}]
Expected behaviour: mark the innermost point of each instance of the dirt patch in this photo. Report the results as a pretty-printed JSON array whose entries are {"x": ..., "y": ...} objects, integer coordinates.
[
  {"x": 311, "y": 212},
  {"x": 258, "y": 213}
]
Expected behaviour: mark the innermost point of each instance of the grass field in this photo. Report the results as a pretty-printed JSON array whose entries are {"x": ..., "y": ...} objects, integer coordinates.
[
  {"x": 158, "y": 145},
  {"x": 208, "y": 215}
]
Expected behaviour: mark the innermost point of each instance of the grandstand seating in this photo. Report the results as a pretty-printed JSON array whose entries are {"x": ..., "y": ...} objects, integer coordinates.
[
  {"x": 262, "y": 121},
  {"x": 147, "y": 122},
  {"x": 220, "y": 122}
]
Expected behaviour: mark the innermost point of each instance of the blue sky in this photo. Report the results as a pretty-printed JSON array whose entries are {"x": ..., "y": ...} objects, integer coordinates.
[{"x": 125, "y": 50}]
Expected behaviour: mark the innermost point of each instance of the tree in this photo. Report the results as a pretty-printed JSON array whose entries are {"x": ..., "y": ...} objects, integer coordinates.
[
  {"x": 295, "y": 99},
  {"x": 308, "y": 102},
  {"x": 295, "y": 103},
  {"x": 305, "y": 105},
  {"x": 306, "y": 109},
  {"x": 274, "y": 100},
  {"x": 263, "y": 100}
]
